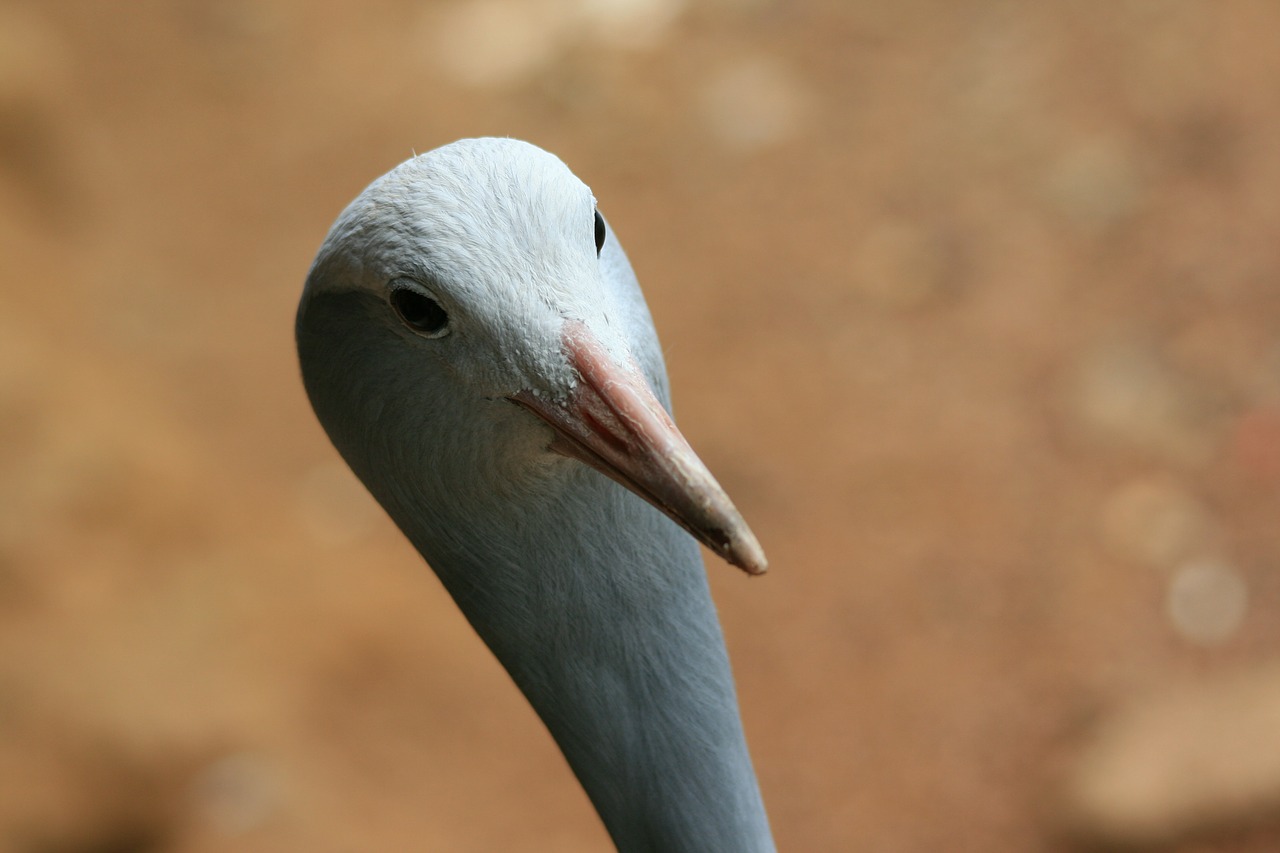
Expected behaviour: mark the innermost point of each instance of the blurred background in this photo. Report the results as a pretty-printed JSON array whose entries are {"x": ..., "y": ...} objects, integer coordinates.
[{"x": 972, "y": 307}]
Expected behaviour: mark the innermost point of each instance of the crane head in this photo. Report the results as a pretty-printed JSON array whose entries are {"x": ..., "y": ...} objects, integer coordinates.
[{"x": 470, "y": 325}]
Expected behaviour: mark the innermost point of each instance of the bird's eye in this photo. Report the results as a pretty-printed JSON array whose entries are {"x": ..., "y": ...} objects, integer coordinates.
[
  {"x": 599, "y": 233},
  {"x": 419, "y": 311}
]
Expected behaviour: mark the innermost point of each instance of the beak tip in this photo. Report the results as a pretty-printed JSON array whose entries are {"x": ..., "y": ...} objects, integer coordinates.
[{"x": 744, "y": 551}]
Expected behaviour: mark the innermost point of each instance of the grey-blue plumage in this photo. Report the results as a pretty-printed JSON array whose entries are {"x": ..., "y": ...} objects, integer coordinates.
[{"x": 471, "y": 332}]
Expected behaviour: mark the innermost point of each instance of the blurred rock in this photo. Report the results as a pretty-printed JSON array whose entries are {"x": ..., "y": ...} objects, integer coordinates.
[
  {"x": 628, "y": 23},
  {"x": 1206, "y": 602},
  {"x": 1126, "y": 393},
  {"x": 35, "y": 87},
  {"x": 236, "y": 20},
  {"x": 1184, "y": 761},
  {"x": 1155, "y": 76},
  {"x": 999, "y": 80},
  {"x": 900, "y": 265},
  {"x": 1095, "y": 185},
  {"x": 494, "y": 43},
  {"x": 754, "y": 103},
  {"x": 241, "y": 39},
  {"x": 65, "y": 789},
  {"x": 1156, "y": 521},
  {"x": 237, "y": 793},
  {"x": 1206, "y": 144},
  {"x": 486, "y": 43}
]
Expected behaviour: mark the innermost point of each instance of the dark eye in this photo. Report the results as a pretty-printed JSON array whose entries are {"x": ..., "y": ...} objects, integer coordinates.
[
  {"x": 420, "y": 312},
  {"x": 599, "y": 233}
]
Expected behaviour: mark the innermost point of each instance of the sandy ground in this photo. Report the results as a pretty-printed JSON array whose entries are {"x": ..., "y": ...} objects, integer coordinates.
[{"x": 972, "y": 306}]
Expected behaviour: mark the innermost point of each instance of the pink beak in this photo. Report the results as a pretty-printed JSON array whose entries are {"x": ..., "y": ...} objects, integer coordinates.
[{"x": 614, "y": 423}]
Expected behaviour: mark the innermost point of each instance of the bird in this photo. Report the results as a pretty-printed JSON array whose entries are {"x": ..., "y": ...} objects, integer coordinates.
[{"x": 474, "y": 342}]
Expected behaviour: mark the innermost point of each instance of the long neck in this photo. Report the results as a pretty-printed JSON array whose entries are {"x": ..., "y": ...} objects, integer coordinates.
[{"x": 599, "y": 609}]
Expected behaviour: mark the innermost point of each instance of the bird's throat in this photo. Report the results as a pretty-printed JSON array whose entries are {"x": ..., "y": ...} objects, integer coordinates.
[{"x": 609, "y": 630}]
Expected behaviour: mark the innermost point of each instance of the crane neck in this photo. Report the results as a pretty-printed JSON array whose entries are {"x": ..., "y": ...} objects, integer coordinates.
[{"x": 599, "y": 608}]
